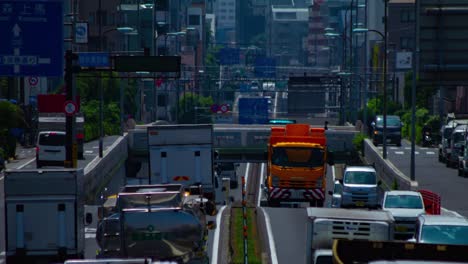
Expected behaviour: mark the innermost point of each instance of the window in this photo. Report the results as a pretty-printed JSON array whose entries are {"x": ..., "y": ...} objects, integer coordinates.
[
  {"x": 194, "y": 20},
  {"x": 407, "y": 15},
  {"x": 285, "y": 15},
  {"x": 406, "y": 43}
]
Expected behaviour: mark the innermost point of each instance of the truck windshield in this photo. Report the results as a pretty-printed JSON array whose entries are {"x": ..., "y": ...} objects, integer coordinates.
[
  {"x": 403, "y": 201},
  {"x": 226, "y": 166},
  {"x": 298, "y": 157},
  {"x": 445, "y": 234},
  {"x": 360, "y": 177}
]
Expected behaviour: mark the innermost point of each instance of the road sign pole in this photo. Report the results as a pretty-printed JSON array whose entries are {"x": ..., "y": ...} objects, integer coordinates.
[{"x": 69, "y": 118}]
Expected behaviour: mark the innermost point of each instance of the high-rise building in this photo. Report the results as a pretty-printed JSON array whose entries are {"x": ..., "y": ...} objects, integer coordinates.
[{"x": 225, "y": 21}]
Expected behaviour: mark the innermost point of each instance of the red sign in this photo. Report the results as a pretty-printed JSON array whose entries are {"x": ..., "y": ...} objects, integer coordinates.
[
  {"x": 158, "y": 82},
  {"x": 53, "y": 103}
]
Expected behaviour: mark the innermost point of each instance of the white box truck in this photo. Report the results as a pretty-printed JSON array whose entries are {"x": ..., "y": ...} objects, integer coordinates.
[
  {"x": 182, "y": 154},
  {"x": 44, "y": 215},
  {"x": 327, "y": 224}
]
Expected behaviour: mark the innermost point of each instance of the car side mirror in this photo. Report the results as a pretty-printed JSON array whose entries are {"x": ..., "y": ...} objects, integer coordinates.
[
  {"x": 372, "y": 124},
  {"x": 340, "y": 181},
  {"x": 88, "y": 218},
  {"x": 379, "y": 183},
  {"x": 331, "y": 158},
  {"x": 210, "y": 208}
]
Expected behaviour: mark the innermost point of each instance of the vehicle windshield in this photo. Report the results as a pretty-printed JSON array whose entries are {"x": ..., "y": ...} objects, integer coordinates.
[
  {"x": 298, "y": 157},
  {"x": 391, "y": 121},
  {"x": 360, "y": 177},
  {"x": 458, "y": 137},
  {"x": 324, "y": 260},
  {"x": 52, "y": 139},
  {"x": 227, "y": 166},
  {"x": 445, "y": 234},
  {"x": 403, "y": 201}
]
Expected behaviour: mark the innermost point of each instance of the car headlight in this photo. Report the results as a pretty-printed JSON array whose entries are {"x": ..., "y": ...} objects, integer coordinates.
[
  {"x": 376, "y": 132},
  {"x": 275, "y": 180}
]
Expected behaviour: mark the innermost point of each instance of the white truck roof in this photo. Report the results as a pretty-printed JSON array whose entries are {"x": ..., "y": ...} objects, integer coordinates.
[{"x": 355, "y": 214}]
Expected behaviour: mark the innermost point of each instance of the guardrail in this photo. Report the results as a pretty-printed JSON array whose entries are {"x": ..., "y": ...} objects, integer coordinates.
[
  {"x": 99, "y": 172},
  {"x": 391, "y": 176}
]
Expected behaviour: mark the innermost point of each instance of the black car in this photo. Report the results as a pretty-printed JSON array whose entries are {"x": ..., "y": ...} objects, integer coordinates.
[{"x": 393, "y": 131}]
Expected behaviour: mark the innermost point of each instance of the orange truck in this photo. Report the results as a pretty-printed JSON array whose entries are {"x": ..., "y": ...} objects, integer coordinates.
[{"x": 297, "y": 165}]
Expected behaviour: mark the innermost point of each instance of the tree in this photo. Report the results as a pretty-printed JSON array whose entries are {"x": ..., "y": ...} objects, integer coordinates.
[
  {"x": 11, "y": 116},
  {"x": 193, "y": 108}
]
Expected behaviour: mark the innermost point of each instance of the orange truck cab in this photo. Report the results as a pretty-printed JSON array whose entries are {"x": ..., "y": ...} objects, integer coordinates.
[{"x": 297, "y": 165}]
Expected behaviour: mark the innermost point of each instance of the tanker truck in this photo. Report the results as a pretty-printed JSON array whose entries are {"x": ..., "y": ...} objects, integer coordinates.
[{"x": 158, "y": 221}]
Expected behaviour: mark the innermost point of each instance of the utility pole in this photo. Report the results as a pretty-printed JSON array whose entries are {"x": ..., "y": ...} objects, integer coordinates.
[
  {"x": 384, "y": 132},
  {"x": 101, "y": 93},
  {"x": 413, "y": 89}
]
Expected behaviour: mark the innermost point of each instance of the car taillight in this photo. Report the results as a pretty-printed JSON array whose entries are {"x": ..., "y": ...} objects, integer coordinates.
[
  {"x": 37, "y": 150},
  {"x": 80, "y": 136},
  {"x": 52, "y": 133}
]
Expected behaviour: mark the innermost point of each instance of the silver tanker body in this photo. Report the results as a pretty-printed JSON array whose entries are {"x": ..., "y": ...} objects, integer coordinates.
[{"x": 155, "y": 221}]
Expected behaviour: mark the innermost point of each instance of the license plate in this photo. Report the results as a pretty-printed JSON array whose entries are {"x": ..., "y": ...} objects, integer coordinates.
[
  {"x": 389, "y": 140},
  {"x": 359, "y": 203},
  {"x": 401, "y": 228}
]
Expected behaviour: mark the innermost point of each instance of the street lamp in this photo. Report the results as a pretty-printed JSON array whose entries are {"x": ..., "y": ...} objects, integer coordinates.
[{"x": 384, "y": 39}]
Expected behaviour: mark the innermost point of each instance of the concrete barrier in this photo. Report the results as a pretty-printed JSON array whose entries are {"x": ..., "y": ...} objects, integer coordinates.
[
  {"x": 100, "y": 171},
  {"x": 391, "y": 176}
]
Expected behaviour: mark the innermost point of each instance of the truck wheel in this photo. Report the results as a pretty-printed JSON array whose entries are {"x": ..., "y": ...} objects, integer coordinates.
[
  {"x": 399, "y": 143},
  {"x": 440, "y": 158},
  {"x": 38, "y": 165},
  {"x": 273, "y": 204},
  {"x": 460, "y": 172}
]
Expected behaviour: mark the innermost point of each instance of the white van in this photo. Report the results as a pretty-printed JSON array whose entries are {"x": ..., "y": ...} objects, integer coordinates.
[
  {"x": 228, "y": 170},
  {"x": 50, "y": 149}
]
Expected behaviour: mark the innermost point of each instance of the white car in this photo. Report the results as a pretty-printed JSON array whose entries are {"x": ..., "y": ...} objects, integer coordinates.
[
  {"x": 405, "y": 206},
  {"x": 50, "y": 149}
]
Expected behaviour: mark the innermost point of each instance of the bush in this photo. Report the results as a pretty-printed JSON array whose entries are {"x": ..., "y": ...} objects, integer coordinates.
[{"x": 358, "y": 141}]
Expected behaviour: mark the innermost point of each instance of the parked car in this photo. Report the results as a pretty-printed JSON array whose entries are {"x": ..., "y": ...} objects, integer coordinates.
[
  {"x": 50, "y": 149},
  {"x": 393, "y": 131},
  {"x": 405, "y": 206}
]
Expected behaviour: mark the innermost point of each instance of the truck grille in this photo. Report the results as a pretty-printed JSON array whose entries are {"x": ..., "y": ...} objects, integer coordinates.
[
  {"x": 348, "y": 230},
  {"x": 297, "y": 184}
]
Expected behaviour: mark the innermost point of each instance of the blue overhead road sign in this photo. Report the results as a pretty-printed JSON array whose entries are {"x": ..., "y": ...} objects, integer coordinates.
[
  {"x": 31, "y": 35},
  {"x": 265, "y": 67},
  {"x": 229, "y": 56},
  {"x": 253, "y": 110},
  {"x": 93, "y": 59}
]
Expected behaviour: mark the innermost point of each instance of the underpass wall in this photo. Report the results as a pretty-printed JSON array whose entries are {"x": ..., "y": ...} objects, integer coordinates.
[
  {"x": 100, "y": 171},
  {"x": 390, "y": 175}
]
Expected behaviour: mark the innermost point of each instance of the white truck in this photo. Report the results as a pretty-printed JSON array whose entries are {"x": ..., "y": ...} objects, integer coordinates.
[
  {"x": 44, "y": 215},
  {"x": 182, "y": 154},
  {"x": 327, "y": 224}
]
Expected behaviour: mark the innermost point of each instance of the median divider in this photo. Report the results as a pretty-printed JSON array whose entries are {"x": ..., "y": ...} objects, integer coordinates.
[
  {"x": 99, "y": 172},
  {"x": 391, "y": 176}
]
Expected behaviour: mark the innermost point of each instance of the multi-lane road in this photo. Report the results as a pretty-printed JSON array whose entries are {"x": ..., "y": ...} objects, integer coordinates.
[{"x": 432, "y": 175}]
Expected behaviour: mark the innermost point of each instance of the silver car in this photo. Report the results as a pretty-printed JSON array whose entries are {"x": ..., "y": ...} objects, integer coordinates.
[{"x": 50, "y": 149}]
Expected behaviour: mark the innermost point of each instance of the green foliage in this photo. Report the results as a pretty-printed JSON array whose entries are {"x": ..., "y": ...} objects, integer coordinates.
[
  {"x": 422, "y": 118},
  {"x": 111, "y": 122},
  {"x": 395, "y": 185},
  {"x": 193, "y": 108},
  {"x": 358, "y": 141},
  {"x": 11, "y": 116}
]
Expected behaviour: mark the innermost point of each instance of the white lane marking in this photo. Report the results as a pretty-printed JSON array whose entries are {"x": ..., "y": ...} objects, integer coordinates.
[
  {"x": 90, "y": 232},
  {"x": 214, "y": 254},
  {"x": 400, "y": 152},
  {"x": 95, "y": 147},
  {"x": 394, "y": 147},
  {"x": 262, "y": 171},
  {"x": 424, "y": 148},
  {"x": 430, "y": 152},
  {"x": 407, "y": 147},
  {"x": 26, "y": 164},
  {"x": 246, "y": 177},
  {"x": 88, "y": 152},
  {"x": 416, "y": 152},
  {"x": 271, "y": 240}
]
